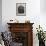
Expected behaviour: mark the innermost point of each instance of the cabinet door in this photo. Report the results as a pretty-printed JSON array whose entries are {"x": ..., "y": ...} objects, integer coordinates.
[{"x": 20, "y": 37}]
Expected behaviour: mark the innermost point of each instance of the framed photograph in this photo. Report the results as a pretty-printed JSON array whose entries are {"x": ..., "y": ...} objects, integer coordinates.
[{"x": 21, "y": 9}]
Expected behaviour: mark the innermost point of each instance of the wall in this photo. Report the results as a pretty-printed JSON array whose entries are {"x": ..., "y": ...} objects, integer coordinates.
[
  {"x": 43, "y": 14},
  {"x": 33, "y": 13},
  {"x": 9, "y": 11},
  {"x": 0, "y": 15},
  {"x": 43, "y": 6}
]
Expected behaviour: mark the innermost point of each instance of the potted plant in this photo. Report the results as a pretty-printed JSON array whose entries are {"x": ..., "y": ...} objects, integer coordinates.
[{"x": 41, "y": 36}]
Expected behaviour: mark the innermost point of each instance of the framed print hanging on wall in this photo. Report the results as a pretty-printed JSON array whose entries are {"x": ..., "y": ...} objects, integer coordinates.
[{"x": 21, "y": 9}]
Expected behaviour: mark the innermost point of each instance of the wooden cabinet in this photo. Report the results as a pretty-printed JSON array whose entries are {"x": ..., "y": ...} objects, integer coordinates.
[{"x": 22, "y": 33}]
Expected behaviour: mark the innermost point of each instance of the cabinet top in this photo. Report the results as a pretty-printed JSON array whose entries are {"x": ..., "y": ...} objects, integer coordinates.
[{"x": 19, "y": 23}]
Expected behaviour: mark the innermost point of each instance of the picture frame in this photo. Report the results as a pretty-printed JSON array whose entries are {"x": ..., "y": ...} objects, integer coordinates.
[{"x": 21, "y": 9}]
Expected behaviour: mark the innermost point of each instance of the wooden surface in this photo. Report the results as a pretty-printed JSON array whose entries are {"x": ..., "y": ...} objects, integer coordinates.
[{"x": 23, "y": 27}]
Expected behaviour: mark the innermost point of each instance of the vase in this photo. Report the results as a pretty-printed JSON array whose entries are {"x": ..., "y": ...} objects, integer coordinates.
[{"x": 41, "y": 43}]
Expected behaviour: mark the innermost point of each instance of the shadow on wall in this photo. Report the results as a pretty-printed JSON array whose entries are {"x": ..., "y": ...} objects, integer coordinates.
[
  {"x": 0, "y": 15},
  {"x": 0, "y": 23},
  {"x": 43, "y": 6}
]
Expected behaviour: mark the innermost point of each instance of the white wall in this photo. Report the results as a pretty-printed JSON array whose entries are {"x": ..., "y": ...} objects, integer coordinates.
[
  {"x": 9, "y": 10},
  {"x": 33, "y": 13},
  {"x": 43, "y": 14},
  {"x": 43, "y": 6}
]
